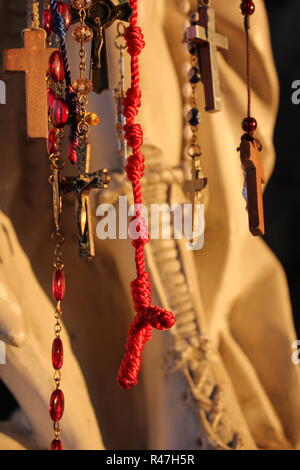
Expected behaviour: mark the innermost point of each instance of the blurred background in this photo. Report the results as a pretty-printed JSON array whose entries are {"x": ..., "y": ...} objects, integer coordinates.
[
  {"x": 282, "y": 198},
  {"x": 282, "y": 195}
]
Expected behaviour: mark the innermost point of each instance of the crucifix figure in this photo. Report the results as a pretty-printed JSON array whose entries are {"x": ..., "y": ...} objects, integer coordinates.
[
  {"x": 208, "y": 42},
  {"x": 194, "y": 187},
  {"x": 82, "y": 186},
  {"x": 100, "y": 16},
  {"x": 254, "y": 179},
  {"x": 33, "y": 60}
]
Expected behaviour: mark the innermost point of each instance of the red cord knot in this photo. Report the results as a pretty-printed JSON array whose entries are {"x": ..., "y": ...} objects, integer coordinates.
[
  {"x": 135, "y": 167},
  {"x": 159, "y": 318},
  {"x": 134, "y": 135},
  {"x": 138, "y": 231},
  {"x": 141, "y": 292},
  {"x": 132, "y": 102},
  {"x": 134, "y": 40}
]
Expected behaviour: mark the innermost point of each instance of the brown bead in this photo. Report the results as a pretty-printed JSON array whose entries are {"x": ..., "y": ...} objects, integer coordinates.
[
  {"x": 249, "y": 124},
  {"x": 79, "y": 4},
  {"x": 247, "y": 8},
  {"x": 82, "y": 33},
  {"x": 83, "y": 86}
]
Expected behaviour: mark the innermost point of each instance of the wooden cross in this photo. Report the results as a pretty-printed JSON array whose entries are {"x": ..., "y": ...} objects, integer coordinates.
[
  {"x": 100, "y": 16},
  {"x": 204, "y": 35},
  {"x": 254, "y": 179},
  {"x": 82, "y": 186},
  {"x": 194, "y": 187},
  {"x": 33, "y": 60}
]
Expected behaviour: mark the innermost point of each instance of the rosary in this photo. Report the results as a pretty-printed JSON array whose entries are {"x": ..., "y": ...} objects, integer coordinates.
[{"x": 55, "y": 102}]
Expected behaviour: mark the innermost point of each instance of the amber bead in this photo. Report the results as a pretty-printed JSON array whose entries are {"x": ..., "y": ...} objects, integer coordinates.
[
  {"x": 57, "y": 354},
  {"x": 60, "y": 113},
  {"x": 51, "y": 98},
  {"x": 83, "y": 86},
  {"x": 57, "y": 405},
  {"x": 65, "y": 12},
  {"x": 249, "y": 124},
  {"x": 247, "y": 8},
  {"x": 79, "y": 4},
  {"x": 52, "y": 144},
  {"x": 92, "y": 119},
  {"x": 58, "y": 284},
  {"x": 56, "y": 66},
  {"x": 82, "y": 33},
  {"x": 56, "y": 444},
  {"x": 47, "y": 22}
]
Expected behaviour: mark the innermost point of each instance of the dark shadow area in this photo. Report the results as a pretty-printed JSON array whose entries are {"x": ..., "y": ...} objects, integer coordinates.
[{"x": 282, "y": 197}]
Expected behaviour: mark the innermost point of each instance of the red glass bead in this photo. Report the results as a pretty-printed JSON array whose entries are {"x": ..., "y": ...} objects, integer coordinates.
[
  {"x": 60, "y": 113},
  {"x": 56, "y": 444},
  {"x": 249, "y": 124},
  {"x": 57, "y": 405},
  {"x": 65, "y": 12},
  {"x": 247, "y": 8},
  {"x": 57, "y": 354},
  {"x": 47, "y": 22},
  {"x": 58, "y": 284},
  {"x": 51, "y": 98},
  {"x": 52, "y": 145},
  {"x": 56, "y": 66}
]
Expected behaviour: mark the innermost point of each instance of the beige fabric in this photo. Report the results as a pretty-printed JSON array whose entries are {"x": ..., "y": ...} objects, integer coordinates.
[{"x": 234, "y": 329}]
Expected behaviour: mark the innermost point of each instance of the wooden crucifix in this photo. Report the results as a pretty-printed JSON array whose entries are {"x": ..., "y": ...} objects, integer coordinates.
[
  {"x": 208, "y": 42},
  {"x": 33, "y": 60},
  {"x": 82, "y": 186},
  {"x": 254, "y": 179},
  {"x": 100, "y": 16},
  {"x": 194, "y": 187}
]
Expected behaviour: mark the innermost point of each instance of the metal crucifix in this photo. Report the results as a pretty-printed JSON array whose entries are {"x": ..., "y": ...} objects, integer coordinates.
[
  {"x": 100, "y": 16},
  {"x": 254, "y": 179},
  {"x": 203, "y": 33},
  {"x": 82, "y": 186},
  {"x": 194, "y": 187}
]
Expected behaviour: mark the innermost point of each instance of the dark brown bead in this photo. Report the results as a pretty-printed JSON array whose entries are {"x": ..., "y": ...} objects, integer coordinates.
[
  {"x": 247, "y": 8},
  {"x": 249, "y": 124}
]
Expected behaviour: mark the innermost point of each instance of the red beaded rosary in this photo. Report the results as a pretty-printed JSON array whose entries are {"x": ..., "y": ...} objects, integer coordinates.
[{"x": 250, "y": 147}]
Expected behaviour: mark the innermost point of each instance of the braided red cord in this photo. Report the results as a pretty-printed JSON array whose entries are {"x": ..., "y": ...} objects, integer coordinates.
[{"x": 148, "y": 316}]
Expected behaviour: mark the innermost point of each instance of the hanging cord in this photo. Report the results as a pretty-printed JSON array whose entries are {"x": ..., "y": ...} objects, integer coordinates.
[
  {"x": 148, "y": 316},
  {"x": 248, "y": 65},
  {"x": 34, "y": 14},
  {"x": 71, "y": 96}
]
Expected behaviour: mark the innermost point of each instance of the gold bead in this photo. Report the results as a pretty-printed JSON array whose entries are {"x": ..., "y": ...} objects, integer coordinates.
[
  {"x": 82, "y": 33},
  {"x": 79, "y": 4},
  {"x": 83, "y": 86},
  {"x": 92, "y": 119}
]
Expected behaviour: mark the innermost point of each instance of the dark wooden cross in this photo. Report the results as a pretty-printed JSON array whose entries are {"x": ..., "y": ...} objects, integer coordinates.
[
  {"x": 33, "y": 60},
  {"x": 208, "y": 41},
  {"x": 100, "y": 16},
  {"x": 194, "y": 187},
  {"x": 82, "y": 186},
  {"x": 254, "y": 179}
]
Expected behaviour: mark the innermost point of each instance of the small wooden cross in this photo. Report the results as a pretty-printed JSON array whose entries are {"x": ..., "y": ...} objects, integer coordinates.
[
  {"x": 194, "y": 187},
  {"x": 82, "y": 186},
  {"x": 254, "y": 179},
  {"x": 33, "y": 60},
  {"x": 101, "y": 15},
  {"x": 208, "y": 41}
]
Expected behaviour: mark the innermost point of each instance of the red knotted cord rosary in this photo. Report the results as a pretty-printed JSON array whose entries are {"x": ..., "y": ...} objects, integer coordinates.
[{"x": 147, "y": 316}]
